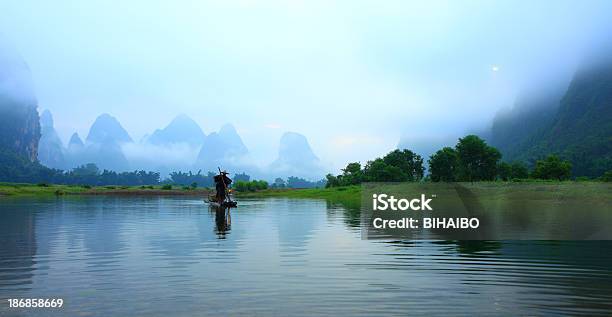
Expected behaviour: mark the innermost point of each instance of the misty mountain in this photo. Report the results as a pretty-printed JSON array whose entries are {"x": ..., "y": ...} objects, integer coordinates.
[
  {"x": 181, "y": 129},
  {"x": 50, "y": 147},
  {"x": 578, "y": 127},
  {"x": 224, "y": 148},
  {"x": 106, "y": 129},
  {"x": 19, "y": 122},
  {"x": 515, "y": 129},
  {"x": 103, "y": 145},
  {"x": 75, "y": 144},
  {"x": 296, "y": 158},
  {"x": 75, "y": 152},
  {"x": 106, "y": 155}
]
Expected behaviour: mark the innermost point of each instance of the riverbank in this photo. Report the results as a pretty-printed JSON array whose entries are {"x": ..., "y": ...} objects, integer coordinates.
[
  {"x": 24, "y": 189},
  {"x": 347, "y": 195},
  {"x": 527, "y": 189}
]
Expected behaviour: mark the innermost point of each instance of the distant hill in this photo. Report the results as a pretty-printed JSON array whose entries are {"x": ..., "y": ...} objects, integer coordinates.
[
  {"x": 578, "y": 127},
  {"x": 103, "y": 145},
  {"x": 75, "y": 143},
  {"x": 50, "y": 147},
  {"x": 180, "y": 130},
  {"x": 105, "y": 129},
  {"x": 224, "y": 148},
  {"x": 296, "y": 158}
]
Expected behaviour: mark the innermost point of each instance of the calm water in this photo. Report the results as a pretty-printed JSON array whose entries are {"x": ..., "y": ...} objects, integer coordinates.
[{"x": 174, "y": 257}]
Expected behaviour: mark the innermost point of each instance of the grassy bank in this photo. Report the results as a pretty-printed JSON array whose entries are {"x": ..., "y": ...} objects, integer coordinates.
[
  {"x": 23, "y": 189},
  {"x": 347, "y": 195},
  {"x": 529, "y": 188}
]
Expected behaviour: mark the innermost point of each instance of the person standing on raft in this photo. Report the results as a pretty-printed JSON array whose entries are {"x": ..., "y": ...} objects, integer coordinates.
[{"x": 221, "y": 186}]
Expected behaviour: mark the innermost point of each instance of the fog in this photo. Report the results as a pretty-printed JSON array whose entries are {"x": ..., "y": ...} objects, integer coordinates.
[{"x": 354, "y": 77}]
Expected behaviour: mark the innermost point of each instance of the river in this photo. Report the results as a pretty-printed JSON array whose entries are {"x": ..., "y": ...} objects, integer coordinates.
[{"x": 167, "y": 256}]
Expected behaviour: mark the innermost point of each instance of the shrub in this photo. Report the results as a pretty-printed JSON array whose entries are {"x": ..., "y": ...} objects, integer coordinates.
[
  {"x": 606, "y": 177},
  {"x": 42, "y": 185},
  {"x": 167, "y": 187},
  {"x": 244, "y": 186},
  {"x": 552, "y": 168}
]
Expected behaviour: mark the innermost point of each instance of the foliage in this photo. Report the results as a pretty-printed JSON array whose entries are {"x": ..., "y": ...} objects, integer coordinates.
[
  {"x": 606, "y": 177},
  {"x": 167, "y": 187},
  {"x": 476, "y": 160},
  {"x": 443, "y": 165},
  {"x": 278, "y": 183},
  {"x": 250, "y": 186},
  {"x": 242, "y": 177},
  {"x": 552, "y": 168},
  {"x": 396, "y": 166},
  {"x": 297, "y": 182},
  {"x": 409, "y": 164},
  {"x": 471, "y": 160},
  {"x": 512, "y": 171},
  {"x": 188, "y": 178}
]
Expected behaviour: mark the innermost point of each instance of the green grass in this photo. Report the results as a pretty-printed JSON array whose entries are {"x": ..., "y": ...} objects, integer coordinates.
[
  {"x": 347, "y": 195},
  {"x": 528, "y": 189},
  {"x": 24, "y": 189}
]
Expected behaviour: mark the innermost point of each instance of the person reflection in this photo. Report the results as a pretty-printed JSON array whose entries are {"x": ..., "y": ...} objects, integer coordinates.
[{"x": 223, "y": 221}]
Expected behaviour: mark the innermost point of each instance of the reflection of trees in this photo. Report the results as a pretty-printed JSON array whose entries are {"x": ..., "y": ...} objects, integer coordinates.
[
  {"x": 351, "y": 213},
  {"x": 17, "y": 247}
]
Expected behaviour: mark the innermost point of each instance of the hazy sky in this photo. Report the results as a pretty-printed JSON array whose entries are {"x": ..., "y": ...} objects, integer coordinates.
[{"x": 352, "y": 76}]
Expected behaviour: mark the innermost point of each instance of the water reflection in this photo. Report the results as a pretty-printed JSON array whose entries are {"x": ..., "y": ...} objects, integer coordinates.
[
  {"x": 223, "y": 221},
  {"x": 17, "y": 250},
  {"x": 171, "y": 256}
]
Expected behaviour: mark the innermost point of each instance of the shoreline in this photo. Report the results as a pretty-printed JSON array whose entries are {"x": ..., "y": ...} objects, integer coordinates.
[{"x": 23, "y": 189}]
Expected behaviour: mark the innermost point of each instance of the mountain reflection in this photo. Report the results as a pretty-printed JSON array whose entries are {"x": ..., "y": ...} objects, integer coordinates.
[{"x": 113, "y": 248}]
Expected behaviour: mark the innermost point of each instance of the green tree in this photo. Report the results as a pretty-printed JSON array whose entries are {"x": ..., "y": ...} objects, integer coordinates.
[
  {"x": 443, "y": 165},
  {"x": 504, "y": 171},
  {"x": 378, "y": 171},
  {"x": 518, "y": 170},
  {"x": 552, "y": 168},
  {"x": 409, "y": 164},
  {"x": 477, "y": 160},
  {"x": 332, "y": 181},
  {"x": 352, "y": 174}
]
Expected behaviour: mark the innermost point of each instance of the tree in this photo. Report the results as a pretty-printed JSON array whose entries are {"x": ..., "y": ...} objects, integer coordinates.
[
  {"x": 518, "y": 170},
  {"x": 352, "y": 174},
  {"x": 443, "y": 165},
  {"x": 242, "y": 177},
  {"x": 477, "y": 160},
  {"x": 278, "y": 183},
  {"x": 504, "y": 171},
  {"x": 409, "y": 164},
  {"x": 552, "y": 168},
  {"x": 378, "y": 171},
  {"x": 332, "y": 181}
]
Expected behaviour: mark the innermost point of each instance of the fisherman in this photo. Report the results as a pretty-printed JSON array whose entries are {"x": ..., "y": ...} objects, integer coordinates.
[{"x": 221, "y": 186}]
